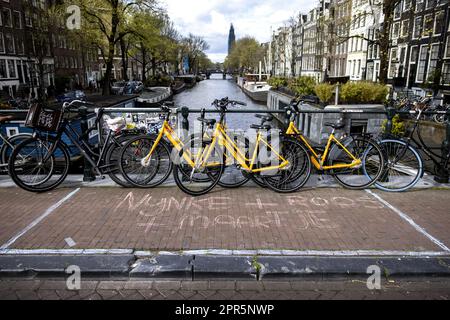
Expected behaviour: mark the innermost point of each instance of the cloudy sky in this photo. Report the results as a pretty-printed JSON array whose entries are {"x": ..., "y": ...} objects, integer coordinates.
[{"x": 211, "y": 19}]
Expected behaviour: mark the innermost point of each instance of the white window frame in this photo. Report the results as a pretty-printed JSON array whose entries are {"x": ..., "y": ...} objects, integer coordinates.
[
  {"x": 20, "y": 19},
  {"x": 447, "y": 51},
  {"x": 390, "y": 60},
  {"x": 427, "y": 35},
  {"x": 10, "y": 17},
  {"x": 402, "y": 27},
  {"x": 418, "y": 63},
  {"x": 435, "y": 19},
  {"x": 410, "y": 54},
  {"x": 417, "y": 25},
  {"x": 436, "y": 44},
  {"x": 399, "y": 30}
]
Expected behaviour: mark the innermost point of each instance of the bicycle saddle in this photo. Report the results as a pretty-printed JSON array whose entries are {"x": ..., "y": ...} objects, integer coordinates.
[
  {"x": 263, "y": 117},
  {"x": 209, "y": 122},
  {"x": 5, "y": 118},
  {"x": 336, "y": 126},
  {"x": 261, "y": 127}
]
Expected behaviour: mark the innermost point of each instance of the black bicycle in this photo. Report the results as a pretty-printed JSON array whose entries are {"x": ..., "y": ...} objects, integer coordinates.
[
  {"x": 41, "y": 163},
  {"x": 404, "y": 163}
]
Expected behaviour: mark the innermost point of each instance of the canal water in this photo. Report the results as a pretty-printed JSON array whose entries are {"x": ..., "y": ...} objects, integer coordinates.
[{"x": 205, "y": 92}]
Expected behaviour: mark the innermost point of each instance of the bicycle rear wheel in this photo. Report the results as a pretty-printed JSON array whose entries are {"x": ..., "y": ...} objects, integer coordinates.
[
  {"x": 296, "y": 174},
  {"x": 202, "y": 178},
  {"x": 403, "y": 168},
  {"x": 141, "y": 173},
  {"x": 112, "y": 161},
  {"x": 6, "y": 150},
  {"x": 361, "y": 176},
  {"x": 232, "y": 176},
  {"x": 33, "y": 168}
]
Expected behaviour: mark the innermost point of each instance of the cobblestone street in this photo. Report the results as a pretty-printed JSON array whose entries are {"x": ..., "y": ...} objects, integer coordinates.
[
  {"x": 335, "y": 289},
  {"x": 164, "y": 219}
]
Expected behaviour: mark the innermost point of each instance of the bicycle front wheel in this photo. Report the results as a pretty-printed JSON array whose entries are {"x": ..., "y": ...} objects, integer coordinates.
[
  {"x": 295, "y": 175},
  {"x": 202, "y": 172},
  {"x": 359, "y": 176},
  {"x": 403, "y": 168},
  {"x": 142, "y": 172},
  {"x": 37, "y": 165}
]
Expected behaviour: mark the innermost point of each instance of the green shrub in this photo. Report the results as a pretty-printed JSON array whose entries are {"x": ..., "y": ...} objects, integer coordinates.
[
  {"x": 398, "y": 126},
  {"x": 302, "y": 86},
  {"x": 362, "y": 92},
  {"x": 158, "y": 81},
  {"x": 324, "y": 91},
  {"x": 277, "y": 82}
]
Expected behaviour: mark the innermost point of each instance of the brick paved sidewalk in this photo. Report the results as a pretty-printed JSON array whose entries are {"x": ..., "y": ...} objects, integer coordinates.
[
  {"x": 240, "y": 219},
  {"x": 420, "y": 289}
]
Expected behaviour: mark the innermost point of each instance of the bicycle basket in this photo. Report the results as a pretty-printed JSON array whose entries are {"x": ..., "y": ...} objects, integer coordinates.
[{"x": 42, "y": 118}]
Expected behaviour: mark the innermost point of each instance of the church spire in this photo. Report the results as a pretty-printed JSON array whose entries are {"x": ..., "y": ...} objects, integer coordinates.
[{"x": 231, "y": 39}]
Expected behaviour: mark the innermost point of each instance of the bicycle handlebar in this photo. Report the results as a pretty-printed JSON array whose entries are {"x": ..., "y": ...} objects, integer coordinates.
[{"x": 224, "y": 102}]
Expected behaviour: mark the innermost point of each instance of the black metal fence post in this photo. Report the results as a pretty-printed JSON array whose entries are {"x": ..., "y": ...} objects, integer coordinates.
[
  {"x": 442, "y": 175},
  {"x": 88, "y": 175},
  {"x": 390, "y": 112},
  {"x": 185, "y": 120}
]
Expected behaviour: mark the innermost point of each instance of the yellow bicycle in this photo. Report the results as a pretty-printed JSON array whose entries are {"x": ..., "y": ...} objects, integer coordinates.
[
  {"x": 198, "y": 164},
  {"x": 355, "y": 162}
]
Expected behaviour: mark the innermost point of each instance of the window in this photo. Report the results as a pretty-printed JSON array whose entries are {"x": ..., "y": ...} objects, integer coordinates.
[
  {"x": 434, "y": 57},
  {"x": 12, "y": 68},
  {"x": 3, "y": 74},
  {"x": 446, "y": 73},
  {"x": 428, "y": 25},
  {"x": 9, "y": 43},
  {"x": 6, "y": 17},
  {"x": 17, "y": 20},
  {"x": 430, "y": 4},
  {"x": 447, "y": 49},
  {"x": 414, "y": 53},
  {"x": 420, "y": 5},
  {"x": 421, "y": 63},
  {"x": 20, "y": 47},
  {"x": 418, "y": 23},
  {"x": 393, "y": 63},
  {"x": 407, "y": 4},
  {"x": 439, "y": 23},
  {"x": 405, "y": 28},
  {"x": 396, "y": 30},
  {"x": 28, "y": 20},
  {"x": 398, "y": 11}
]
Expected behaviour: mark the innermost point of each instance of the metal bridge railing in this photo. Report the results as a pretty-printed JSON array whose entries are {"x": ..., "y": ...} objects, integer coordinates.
[{"x": 184, "y": 112}]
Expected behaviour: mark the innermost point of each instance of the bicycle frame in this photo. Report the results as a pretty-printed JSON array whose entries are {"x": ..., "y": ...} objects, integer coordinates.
[
  {"x": 82, "y": 146},
  {"x": 220, "y": 136},
  {"x": 319, "y": 160}
]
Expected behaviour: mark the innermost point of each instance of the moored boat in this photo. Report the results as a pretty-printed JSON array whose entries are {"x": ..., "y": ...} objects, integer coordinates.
[{"x": 154, "y": 96}]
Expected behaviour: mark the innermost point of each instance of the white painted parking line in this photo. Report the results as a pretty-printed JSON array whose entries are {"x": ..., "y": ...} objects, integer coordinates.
[
  {"x": 405, "y": 217},
  {"x": 39, "y": 219}
]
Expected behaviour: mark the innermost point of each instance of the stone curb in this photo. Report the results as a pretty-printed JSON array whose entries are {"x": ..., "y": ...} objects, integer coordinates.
[{"x": 204, "y": 267}]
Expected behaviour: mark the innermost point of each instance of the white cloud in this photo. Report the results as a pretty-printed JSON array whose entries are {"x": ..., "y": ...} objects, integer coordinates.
[{"x": 211, "y": 18}]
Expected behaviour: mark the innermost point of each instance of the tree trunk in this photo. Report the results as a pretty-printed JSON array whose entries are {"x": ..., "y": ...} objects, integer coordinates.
[
  {"x": 124, "y": 55},
  {"x": 144, "y": 63},
  {"x": 153, "y": 66},
  {"x": 111, "y": 46},
  {"x": 388, "y": 11},
  {"x": 41, "y": 89}
]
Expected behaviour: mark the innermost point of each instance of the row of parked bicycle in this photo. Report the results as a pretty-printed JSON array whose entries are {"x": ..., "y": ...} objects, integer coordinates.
[
  {"x": 424, "y": 103},
  {"x": 198, "y": 162}
]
